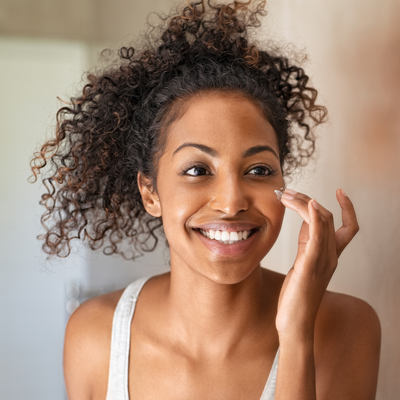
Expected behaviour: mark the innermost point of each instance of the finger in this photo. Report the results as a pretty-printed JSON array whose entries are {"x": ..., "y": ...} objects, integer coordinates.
[
  {"x": 349, "y": 226},
  {"x": 299, "y": 202},
  {"x": 317, "y": 235},
  {"x": 304, "y": 235}
]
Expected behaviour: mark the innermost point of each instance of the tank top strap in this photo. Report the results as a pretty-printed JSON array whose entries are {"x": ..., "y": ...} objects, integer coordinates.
[
  {"x": 120, "y": 341},
  {"x": 269, "y": 389}
]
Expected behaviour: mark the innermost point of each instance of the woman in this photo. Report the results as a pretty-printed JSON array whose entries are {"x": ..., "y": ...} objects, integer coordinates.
[{"x": 194, "y": 138}]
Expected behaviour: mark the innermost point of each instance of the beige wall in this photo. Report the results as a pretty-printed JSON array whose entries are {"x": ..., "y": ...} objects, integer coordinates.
[
  {"x": 88, "y": 20},
  {"x": 55, "y": 19},
  {"x": 354, "y": 49}
]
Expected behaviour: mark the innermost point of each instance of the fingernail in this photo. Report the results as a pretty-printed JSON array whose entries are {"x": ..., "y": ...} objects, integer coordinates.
[
  {"x": 343, "y": 192},
  {"x": 287, "y": 196},
  {"x": 290, "y": 191},
  {"x": 315, "y": 204}
]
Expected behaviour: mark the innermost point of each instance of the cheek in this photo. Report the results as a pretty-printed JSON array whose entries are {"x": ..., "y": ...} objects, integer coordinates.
[
  {"x": 274, "y": 211},
  {"x": 178, "y": 204}
]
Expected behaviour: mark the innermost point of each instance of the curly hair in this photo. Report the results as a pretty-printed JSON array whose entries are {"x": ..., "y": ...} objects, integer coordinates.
[{"x": 117, "y": 126}]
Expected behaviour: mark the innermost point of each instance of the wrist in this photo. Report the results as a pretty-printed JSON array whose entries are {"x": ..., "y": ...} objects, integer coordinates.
[
  {"x": 303, "y": 338},
  {"x": 296, "y": 373},
  {"x": 296, "y": 352}
]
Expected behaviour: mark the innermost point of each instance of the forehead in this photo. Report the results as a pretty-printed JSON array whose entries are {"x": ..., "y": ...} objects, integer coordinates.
[{"x": 223, "y": 121}]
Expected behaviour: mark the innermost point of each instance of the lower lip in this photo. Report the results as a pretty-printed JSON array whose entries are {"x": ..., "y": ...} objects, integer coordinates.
[{"x": 234, "y": 249}]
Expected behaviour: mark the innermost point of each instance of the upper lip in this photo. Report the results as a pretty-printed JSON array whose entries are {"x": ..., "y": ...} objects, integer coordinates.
[{"x": 228, "y": 226}]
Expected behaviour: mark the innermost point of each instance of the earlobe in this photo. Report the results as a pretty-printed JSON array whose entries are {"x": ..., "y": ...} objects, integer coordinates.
[{"x": 150, "y": 199}]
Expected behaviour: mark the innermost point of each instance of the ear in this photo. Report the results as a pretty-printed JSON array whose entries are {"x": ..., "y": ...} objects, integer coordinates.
[{"x": 150, "y": 199}]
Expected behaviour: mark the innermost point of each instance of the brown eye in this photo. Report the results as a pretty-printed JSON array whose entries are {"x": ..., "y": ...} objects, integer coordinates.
[
  {"x": 196, "y": 171},
  {"x": 260, "y": 170}
]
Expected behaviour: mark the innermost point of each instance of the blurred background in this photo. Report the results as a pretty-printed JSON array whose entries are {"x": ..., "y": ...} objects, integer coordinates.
[{"x": 46, "y": 45}]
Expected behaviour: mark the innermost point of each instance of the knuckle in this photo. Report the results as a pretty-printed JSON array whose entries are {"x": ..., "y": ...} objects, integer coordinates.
[
  {"x": 302, "y": 247},
  {"x": 330, "y": 217},
  {"x": 319, "y": 239},
  {"x": 354, "y": 229}
]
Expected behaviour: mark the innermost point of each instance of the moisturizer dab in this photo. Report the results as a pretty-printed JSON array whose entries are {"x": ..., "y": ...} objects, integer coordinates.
[{"x": 279, "y": 193}]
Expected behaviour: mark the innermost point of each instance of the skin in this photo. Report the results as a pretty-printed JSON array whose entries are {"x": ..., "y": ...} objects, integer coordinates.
[{"x": 211, "y": 327}]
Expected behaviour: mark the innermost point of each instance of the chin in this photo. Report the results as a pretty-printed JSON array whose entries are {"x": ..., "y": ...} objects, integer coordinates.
[{"x": 228, "y": 274}]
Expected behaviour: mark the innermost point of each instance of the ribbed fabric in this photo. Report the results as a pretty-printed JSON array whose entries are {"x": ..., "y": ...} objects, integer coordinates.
[
  {"x": 269, "y": 389},
  {"x": 120, "y": 344}
]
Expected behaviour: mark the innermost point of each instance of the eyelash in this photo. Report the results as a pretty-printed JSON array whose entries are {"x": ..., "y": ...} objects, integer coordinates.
[{"x": 271, "y": 171}]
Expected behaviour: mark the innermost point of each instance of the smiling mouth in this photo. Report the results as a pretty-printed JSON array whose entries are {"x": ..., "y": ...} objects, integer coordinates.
[{"x": 226, "y": 237}]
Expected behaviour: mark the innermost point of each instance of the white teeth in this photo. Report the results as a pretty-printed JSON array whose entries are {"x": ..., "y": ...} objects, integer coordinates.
[
  {"x": 233, "y": 236},
  {"x": 205, "y": 233},
  {"x": 226, "y": 237}
]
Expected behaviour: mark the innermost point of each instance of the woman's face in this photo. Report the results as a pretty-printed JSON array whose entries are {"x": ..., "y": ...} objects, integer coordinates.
[{"x": 218, "y": 173}]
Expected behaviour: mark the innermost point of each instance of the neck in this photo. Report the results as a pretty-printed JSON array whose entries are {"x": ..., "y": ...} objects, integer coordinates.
[{"x": 211, "y": 318}]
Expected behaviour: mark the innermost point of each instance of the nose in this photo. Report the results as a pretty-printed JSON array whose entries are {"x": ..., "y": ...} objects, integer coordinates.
[{"x": 229, "y": 196}]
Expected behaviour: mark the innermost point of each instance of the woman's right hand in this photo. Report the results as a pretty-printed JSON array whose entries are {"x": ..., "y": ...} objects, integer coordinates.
[{"x": 319, "y": 247}]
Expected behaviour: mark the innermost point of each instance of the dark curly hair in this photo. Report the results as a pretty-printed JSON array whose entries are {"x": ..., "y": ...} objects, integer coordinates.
[{"x": 118, "y": 125}]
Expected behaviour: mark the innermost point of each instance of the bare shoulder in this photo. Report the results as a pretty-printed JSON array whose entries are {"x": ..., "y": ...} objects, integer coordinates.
[
  {"x": 347, "y": 318},
  {"x": 87, "y": 347},
  {"x": 347, "y": 348}
]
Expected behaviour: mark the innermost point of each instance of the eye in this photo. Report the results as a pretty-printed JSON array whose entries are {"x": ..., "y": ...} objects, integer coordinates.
[
  {"x": 261, "y": 170},
  {"x": 196, "y": 171}
]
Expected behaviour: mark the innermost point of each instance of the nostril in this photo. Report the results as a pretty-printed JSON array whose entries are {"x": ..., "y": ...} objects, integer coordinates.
[{"x": 229, "y": 207}]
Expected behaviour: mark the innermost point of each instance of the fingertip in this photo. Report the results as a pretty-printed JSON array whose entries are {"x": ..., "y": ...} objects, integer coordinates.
[
  {"x": 314, "y": 209},
  {"x": 340, "y": 193},
  {"x": 341, "y": 197},
  {"x": 315, "y": 204},
  {"x": 284, "y": 201}
]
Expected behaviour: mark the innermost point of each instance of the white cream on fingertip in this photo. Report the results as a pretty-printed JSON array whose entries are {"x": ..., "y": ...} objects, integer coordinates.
[{"x": 279, "y": 193}]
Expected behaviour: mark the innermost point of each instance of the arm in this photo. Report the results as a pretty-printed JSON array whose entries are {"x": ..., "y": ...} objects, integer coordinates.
[
  {"x": 345, "y": 353},
  {"x": 77, "y": 349},
  {"x": 87, "y": 348},
  {"x": 347, "y": 348},
  {"x": 302, "y": 294}
]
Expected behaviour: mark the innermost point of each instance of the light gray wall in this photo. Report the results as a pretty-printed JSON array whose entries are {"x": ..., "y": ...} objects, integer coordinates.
[
  {"x": 44, "y": 48},
  {"x": 32, "y": 299},
  {"x": 33, "y": 296}
]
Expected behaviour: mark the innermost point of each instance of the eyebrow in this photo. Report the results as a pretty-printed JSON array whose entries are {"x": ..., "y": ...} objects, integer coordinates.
[
  {"x": 212, "y": 152},
  {"x": 202, "y": 147},
  {"x": 258, "y": 149}
]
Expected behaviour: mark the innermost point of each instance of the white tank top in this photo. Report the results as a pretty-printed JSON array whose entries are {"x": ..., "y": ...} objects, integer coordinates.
[{"x": 120, "y": 341}]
